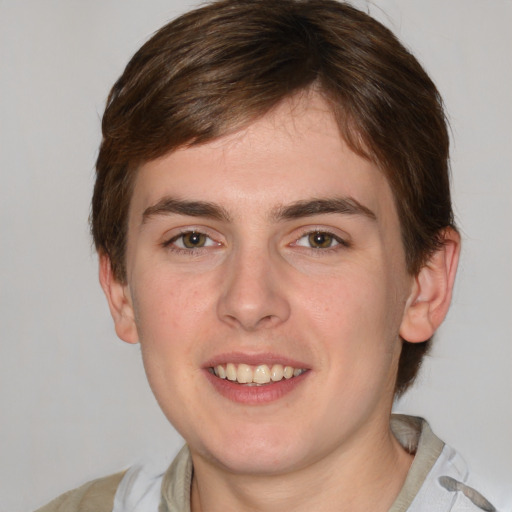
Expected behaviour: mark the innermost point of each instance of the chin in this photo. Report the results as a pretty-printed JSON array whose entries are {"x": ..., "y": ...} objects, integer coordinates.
[{"x": 252, "y": 452}]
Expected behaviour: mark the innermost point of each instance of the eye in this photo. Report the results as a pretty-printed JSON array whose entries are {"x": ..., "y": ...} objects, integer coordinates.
[
  {"x": 191, "y": 240},
  {"x": 319, "y": 240}
]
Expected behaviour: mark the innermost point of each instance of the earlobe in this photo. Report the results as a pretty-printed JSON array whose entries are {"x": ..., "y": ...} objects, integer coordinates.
[
  {"x": 119, "y": 302},
  {"x": 432, "y": 291}
]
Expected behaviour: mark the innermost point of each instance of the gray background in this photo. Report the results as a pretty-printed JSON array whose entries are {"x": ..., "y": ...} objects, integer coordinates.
[{"x": 74, "y": 402}]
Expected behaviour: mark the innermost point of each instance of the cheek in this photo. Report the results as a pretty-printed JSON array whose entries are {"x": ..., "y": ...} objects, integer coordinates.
[
  {"x": 357, "y": 313},
  {"x": 168, "y": 308},
  {"x": 171, "y": 317},
  {"x": 348, "y": 299}
]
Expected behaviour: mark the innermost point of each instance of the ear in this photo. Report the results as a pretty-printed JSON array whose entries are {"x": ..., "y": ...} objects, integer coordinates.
[
  {"x": 119, "y": 302},
  {"x": 432, "y": 291}
]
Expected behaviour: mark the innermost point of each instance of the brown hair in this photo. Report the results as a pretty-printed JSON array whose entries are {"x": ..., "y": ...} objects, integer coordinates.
[{"x": 218, "y": 68}]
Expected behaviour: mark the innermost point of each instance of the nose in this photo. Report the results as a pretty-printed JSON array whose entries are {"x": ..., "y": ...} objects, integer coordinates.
[{"x": 253, "y": 294}]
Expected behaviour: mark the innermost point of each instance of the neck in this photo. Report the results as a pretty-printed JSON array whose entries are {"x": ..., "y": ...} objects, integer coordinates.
[{"x": 367, "y": 475}]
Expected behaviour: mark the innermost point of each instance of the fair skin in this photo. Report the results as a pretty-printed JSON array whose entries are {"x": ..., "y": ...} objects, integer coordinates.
[{"x": 276, "y": 247}]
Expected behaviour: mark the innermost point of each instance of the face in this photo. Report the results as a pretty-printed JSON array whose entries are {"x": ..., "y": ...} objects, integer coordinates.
[{"x": 267, "y": 282}]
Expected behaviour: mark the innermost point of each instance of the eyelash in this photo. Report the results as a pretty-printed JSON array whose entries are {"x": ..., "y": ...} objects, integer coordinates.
[
  {"x": 171, "y": 243},
  {"x": 336, "y": 242}
]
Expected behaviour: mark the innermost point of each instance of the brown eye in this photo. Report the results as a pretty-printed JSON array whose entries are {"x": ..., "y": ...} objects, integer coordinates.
[
  {"x": 190, "y": 241},
  {"x": 193, "y": 240},
  {"x": 320, "y": 240}
]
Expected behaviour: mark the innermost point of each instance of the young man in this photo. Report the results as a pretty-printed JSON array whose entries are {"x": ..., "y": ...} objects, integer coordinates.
[{"x": 273, "y": 219}]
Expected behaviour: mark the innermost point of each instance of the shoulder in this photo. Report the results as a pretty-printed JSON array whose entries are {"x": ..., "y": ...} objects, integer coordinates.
[{"x": 95, "y": 496}]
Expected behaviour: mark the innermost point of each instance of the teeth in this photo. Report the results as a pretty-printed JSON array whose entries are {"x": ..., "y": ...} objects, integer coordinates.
[
  {"x": 277, "y": 373},
  {"x": 230, "y": 371},
  {"x": 288, "y": 372},
  {"x": 262, "y": 374},
  {"x": 244, "y": 374},
  {"x": 220, "y": 372}
]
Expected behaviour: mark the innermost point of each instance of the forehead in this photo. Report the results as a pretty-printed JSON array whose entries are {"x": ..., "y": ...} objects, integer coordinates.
[{"x": 294, "y": 152}]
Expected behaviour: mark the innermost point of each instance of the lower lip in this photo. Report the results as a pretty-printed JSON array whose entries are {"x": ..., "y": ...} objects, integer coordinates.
[{"x": 254, "y": 395}]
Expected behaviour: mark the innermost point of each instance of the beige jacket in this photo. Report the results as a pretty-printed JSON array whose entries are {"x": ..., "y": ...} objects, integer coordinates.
[{"x": 95, "y": 496}]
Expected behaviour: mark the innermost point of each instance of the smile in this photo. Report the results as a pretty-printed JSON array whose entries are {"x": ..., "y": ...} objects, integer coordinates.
[{"x": 255, "y": 375}]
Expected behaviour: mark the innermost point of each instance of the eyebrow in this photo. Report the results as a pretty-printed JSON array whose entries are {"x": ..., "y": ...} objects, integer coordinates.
[
  {"x": 304, "y": 208},
  {"x": 170, "y": 205},
  {"x": 308, "y": 208}
]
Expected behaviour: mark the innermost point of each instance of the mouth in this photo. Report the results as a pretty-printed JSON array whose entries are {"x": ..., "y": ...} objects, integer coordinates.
[{"x": 259, "y": 375}]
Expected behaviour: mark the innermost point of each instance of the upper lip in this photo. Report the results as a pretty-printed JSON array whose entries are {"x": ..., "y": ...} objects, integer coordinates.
[{"x": 254, "y": 359}]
